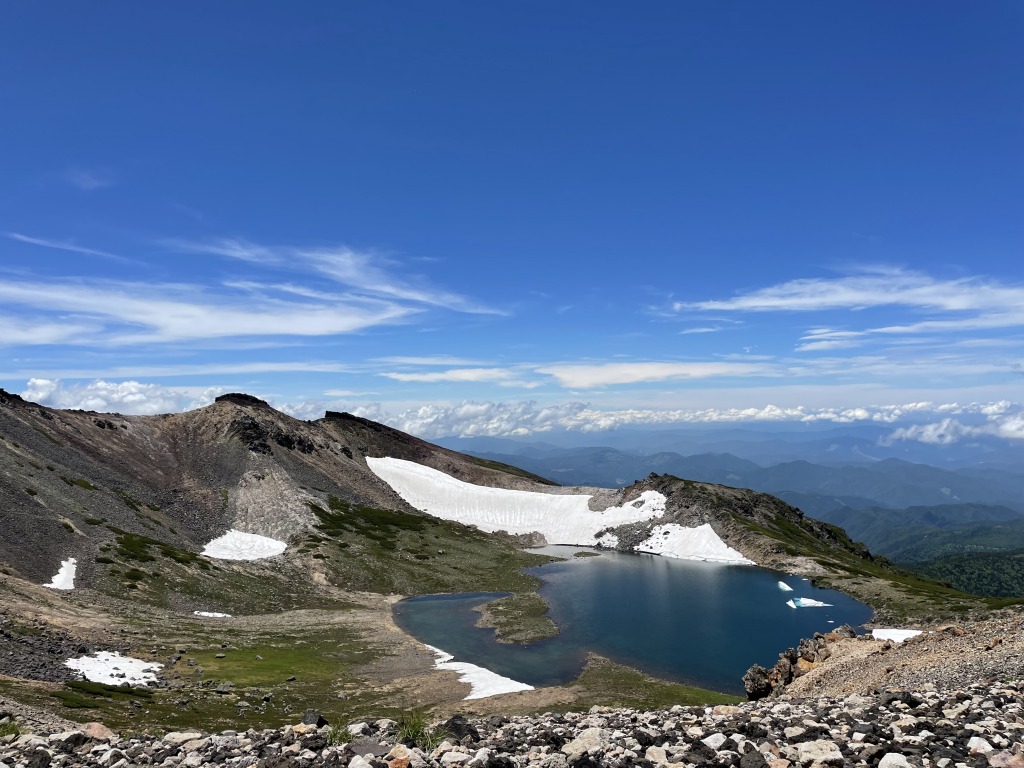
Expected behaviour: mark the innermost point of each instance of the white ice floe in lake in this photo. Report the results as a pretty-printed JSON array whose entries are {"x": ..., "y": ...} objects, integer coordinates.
[
  {"x": 791, "y": 604},
  {"x": 807, "y": 602},
  {"x": 482, "y": 682},
  {"x": 785, "y": 587},
  {"x": 114, "y": 669},
  {"x": 560, "y": 518},
  {"x": 65, "y": 577},
  {"x": 699, "y": 543},
  {"x": 212, "y": 614},
  {"x": 896, "y": 635},
  {"x": 235, "y": 545}
]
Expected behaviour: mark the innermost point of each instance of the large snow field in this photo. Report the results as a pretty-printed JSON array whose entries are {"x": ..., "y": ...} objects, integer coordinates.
[
  {"x": 699, "y": 543},
  {"x": 482, "y": 682},
  {"x": 65, "y": 577},
  {"x": 235, "y": 545},
  {"x": 560, "y": 518},
  {"x": 114, "y": 669}
]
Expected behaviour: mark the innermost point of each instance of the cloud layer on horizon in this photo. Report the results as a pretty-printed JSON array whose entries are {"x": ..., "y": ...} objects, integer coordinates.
[{"x": 933, "y": 423}]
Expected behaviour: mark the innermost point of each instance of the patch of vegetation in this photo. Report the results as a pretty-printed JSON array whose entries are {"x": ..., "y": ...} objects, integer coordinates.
[
  {"x": 130, "y": 501},
  {"x": 132, "y": 546},
  {"x": 81, "y": 482},
  {"x": 67, "y": 526},
  {"x": 987, "y": 574},
  {"x": 95, "y": 520},
  {"x": 606, "y": 683},
  {"x": 391, "y": 551},
  {"x": 521, "y": 618},
  {"x": 80, "y": 694},
  {"x": 10, "y": 728},
  {"x": 31, "y": 491},
  {"x": 414, "y": 726}
]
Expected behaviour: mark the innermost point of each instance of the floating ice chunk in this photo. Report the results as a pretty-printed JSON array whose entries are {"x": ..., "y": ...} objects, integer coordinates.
[
  {"x": 791, "y": 604},
  {"x": 65, "y": 577},
  {"x": 212, "y": 614},
  {"x": 560, "y": 518},
  {"x": 698, "y": 543},
  {"x": 785, "y": 587},
  {"x": 807, "y": 602},
  {"x": 896, "y": 635},
  {"x": 482, "y": 682},
  {"x": 235, "y": 545},
  {"x": 114, "y": 669}
]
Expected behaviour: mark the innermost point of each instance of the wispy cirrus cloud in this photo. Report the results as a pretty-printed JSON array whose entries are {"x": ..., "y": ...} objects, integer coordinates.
[
  {"x": 106, "y": 312},
  {"x": 363, "y": 271},
  {"x": 145, "y": 313},
  {"x": 68, "y": 245},
  {"x": 967, "y": 303}
]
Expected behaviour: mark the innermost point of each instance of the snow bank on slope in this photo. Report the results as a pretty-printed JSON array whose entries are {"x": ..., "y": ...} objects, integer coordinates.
[
  {"x": 65, "y": 577},
  {"x": 482, "y": 682},
  {"x": 560, "y": 518},
  {"x": 212, "y": 614},
  {"x": 235, "y": 545},
  {"x": 896, "y": 635},
  {"x": 699, "y": 543},
  {"x": 114, "y": 669},
  {"x": 785, "y": 587}
]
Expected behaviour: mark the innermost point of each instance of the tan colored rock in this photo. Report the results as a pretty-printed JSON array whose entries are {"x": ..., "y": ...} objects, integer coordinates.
[{"x": 98, "y": 731}]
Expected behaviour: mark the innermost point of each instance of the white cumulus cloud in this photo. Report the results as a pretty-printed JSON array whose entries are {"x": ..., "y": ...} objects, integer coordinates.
[{"x": 127, "y": 397}]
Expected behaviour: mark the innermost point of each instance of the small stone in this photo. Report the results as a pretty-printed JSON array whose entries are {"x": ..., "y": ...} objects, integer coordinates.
[
  {"x": 893, "y": 760},
  {"x": 819, "y": 753}
]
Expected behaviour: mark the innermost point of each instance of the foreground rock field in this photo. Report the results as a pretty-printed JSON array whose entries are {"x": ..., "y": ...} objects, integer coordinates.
[{"x": 980, "y": 725}]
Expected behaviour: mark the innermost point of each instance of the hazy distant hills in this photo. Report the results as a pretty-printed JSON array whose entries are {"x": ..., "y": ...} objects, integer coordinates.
[
  {"x": 771, "y": 444},
  {"x": 962, "y": 524},
  {"x": 815, "y": 488}
]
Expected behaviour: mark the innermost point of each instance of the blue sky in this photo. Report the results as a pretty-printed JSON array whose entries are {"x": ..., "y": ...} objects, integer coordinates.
[{"x": 496, "y": 218}]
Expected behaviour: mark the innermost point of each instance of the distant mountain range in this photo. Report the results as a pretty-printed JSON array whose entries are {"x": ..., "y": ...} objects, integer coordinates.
[{"x": 815, "y": 488}]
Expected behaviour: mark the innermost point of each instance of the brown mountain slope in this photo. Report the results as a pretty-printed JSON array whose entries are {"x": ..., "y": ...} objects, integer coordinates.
[{"x": 68, "y": 477}]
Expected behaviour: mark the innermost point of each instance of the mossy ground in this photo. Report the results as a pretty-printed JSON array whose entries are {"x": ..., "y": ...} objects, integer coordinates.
[
  {"x": 521, "y": 618},
  {"x": 606, "y": 683}
]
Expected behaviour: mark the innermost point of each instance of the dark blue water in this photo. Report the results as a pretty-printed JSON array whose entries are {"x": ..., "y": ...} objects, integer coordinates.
[{"x": 692, "y": 622}]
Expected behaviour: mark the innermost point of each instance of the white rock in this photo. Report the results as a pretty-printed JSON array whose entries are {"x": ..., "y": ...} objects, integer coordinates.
[{"x": 893, "y": 760}]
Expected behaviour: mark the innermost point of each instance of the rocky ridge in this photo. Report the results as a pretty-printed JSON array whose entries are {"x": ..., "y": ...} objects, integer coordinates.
[{"x": 977, "y": 726}]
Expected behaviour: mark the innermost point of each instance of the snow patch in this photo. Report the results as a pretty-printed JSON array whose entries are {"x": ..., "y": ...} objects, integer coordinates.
[
  {"x": 212, "y": 614},
  {"x": 482, "y": 682},
  {"x": 65, "y": 577},
  {"x": 791, "y": 604},
  {"x": 785, "y": 587},
  {"x": 896, "y": 635},
  {"x": 698, "y": 543},
  {"x": 560, "y": 518},
  {"x": 114, "y": 669},
  {"x": 235, "y": 545}
]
